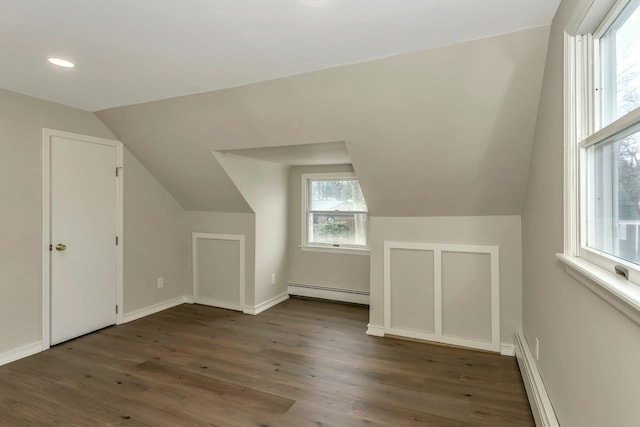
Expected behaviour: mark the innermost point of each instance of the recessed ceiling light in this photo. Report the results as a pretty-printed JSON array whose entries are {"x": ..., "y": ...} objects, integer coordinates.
[{"x": 61, "y": 62}]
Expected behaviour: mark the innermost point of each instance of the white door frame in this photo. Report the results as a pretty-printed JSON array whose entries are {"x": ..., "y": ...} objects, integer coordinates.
[
  {"x": 47, "y": 134},
  {"x": 241, "y": 279}
]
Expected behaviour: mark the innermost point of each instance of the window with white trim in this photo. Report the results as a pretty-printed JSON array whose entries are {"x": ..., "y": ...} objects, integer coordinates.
[
  {"x": 334, "y": 211},
  {"x": 603, "y": 141}
]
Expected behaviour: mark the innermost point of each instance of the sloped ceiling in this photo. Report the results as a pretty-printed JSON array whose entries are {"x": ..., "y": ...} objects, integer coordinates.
[
  {"x": 133, "y": 51},
  {"x": 323, "y": 153},
  {"x": 446, "y": 131}
]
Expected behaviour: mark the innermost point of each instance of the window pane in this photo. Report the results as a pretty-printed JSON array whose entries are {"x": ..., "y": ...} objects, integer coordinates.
[
  {"x": 337, "y": 195},
  {"x": 338, "y": 228},
  {"x": 613, "y": 192},
  {"x": 621, "y": 65}
]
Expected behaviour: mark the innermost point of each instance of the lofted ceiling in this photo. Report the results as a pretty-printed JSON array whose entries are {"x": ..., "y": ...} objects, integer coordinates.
[
  {"x": 129, "y": 52},
  {"x": 434, "y": 102},
  {"x": 440, "y": 132}
]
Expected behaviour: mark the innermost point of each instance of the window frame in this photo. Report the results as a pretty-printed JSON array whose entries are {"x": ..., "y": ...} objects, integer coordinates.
[
  {"x": 583, "y": 109},
  {"x": 305, "y": 245}
]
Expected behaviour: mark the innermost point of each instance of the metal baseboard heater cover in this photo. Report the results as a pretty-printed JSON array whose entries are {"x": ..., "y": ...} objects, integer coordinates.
[{"x": 327, "y": 288}]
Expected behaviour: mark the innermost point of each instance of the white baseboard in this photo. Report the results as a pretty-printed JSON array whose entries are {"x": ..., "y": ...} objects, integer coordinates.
[
  {"x": 507, "y": 349},
  {"x": 374, "y": 330},
  {"x": 20, "y": 353},
  {"x": 378, "y": 331},
  {"x": 218, "y": 304},
  {"x": 152, "y": 309},
  {"x": 541, "y": 407},
  {"x": 328, "y": 293},
  {"x": 266, "y": 305}
]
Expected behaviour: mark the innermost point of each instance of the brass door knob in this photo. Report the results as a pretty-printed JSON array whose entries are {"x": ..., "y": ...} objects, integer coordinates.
[{"x": 61, "y": 247}]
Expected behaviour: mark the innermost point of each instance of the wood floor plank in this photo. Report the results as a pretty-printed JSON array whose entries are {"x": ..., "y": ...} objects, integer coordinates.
[{"x": 301, "y": 363}]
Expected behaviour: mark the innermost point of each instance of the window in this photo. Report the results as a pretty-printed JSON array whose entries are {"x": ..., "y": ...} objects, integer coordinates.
[
  {"x": 603, "y": 141},
  {"x": 334, "y": 211},
  {"x": 620, "y": 64}
]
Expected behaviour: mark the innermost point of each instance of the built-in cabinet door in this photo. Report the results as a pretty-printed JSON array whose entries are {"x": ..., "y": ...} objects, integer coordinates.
[
  {"x": 443, "y": 293},
  {"x": 218, "y": 270}
]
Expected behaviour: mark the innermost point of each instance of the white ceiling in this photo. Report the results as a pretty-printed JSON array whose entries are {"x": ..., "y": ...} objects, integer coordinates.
[{"x": 129, "y": 52}]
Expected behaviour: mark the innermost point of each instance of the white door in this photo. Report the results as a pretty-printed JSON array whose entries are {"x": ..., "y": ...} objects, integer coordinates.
[{"x": 83, "y": 247}]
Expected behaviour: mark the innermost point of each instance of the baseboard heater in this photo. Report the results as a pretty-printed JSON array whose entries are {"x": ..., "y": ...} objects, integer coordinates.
[{"x": 329, "y": 293}]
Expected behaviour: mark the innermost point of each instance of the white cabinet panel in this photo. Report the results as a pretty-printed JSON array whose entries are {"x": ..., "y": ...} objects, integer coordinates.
[
  {"x": 466, "y": 295},
  {"x": 218, "y": 270},
  {"x": 443, "y": 293},
  {"x": 412, "y": 299}
]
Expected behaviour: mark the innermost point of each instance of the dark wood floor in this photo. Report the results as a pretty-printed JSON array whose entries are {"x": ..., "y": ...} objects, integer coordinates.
[{"x": 302, "y": 363}]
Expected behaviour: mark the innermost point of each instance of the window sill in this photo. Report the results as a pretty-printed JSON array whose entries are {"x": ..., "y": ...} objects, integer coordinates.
[
  {"x": 329, "y": 249},
  {"x": 620, "y": 293}
]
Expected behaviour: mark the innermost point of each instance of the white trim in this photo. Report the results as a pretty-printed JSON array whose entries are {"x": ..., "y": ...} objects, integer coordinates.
[
  {"x": 329, "y": 293},
  {"x": 241, "y": 273},
  {"x": 437, "y": 292},
  {"x": 619, "y": 129},
  {"x": 46, "y": 239},
  {"x": 571, "y": 235},
  {"x": 155, "y": 308},
  {"x": 589, "y": 15},
  {"x": 218, "y": 304},
  {"x": 541, "y": 407},
  {"x": 507, "y": 349},
  {"x": 581, "y": 105},
  {"x": 375, "y": 330},
  {"x": 577, "y": 20},
  {"x": 444, "y": 339},
  {"x": 608, "y": 262},
  {"x": 438, "y": 335},
  {"x": 610, "y": 18},
  {"x": 47, "y": 134},
  {"x": 304, "y": 237},
  {"x": 20, "y": 353},
  {"x": 271, "y": 302},
  {"x": 304, "y": 187},
  {"x": 333, "y": 250},
  {"x": 378, "y": 331},
  {"x": 618, "y": 292},
  {"x": 121, "y": 238}
]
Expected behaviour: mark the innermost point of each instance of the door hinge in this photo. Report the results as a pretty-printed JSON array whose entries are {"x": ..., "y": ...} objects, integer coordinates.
[
  {"x": 117, "y": 240},
  {"x": 117, "y": 171},
  {"x": 50, "y": 247},
  {"x": 116, "y": 309}
]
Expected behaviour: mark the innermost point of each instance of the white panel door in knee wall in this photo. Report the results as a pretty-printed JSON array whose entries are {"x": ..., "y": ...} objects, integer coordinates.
[
  {"x": 218, "y": 270},
  {"x": 443, "y": 293}
]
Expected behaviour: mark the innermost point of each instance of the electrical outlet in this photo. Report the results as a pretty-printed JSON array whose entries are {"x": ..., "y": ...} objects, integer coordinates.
[
  {"x": 537, "y": 349},
  {"x": 160, "y": 282},
  {"x": 273, "y": 278}
]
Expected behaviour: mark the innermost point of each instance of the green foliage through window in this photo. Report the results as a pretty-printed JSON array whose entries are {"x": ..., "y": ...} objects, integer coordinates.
[{"x": 331, "y": 227}]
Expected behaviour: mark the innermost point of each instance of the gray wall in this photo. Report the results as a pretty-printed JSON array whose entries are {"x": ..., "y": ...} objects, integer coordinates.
[
  {"x": 588, "y": 350},
  {"x": 501, "y": 231},
  {"x": 21, "y": 121},
  {"x": 264, "y": 185},
  {"x": 344, "y": 271},
  {"x": 153, "y": 241}
]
